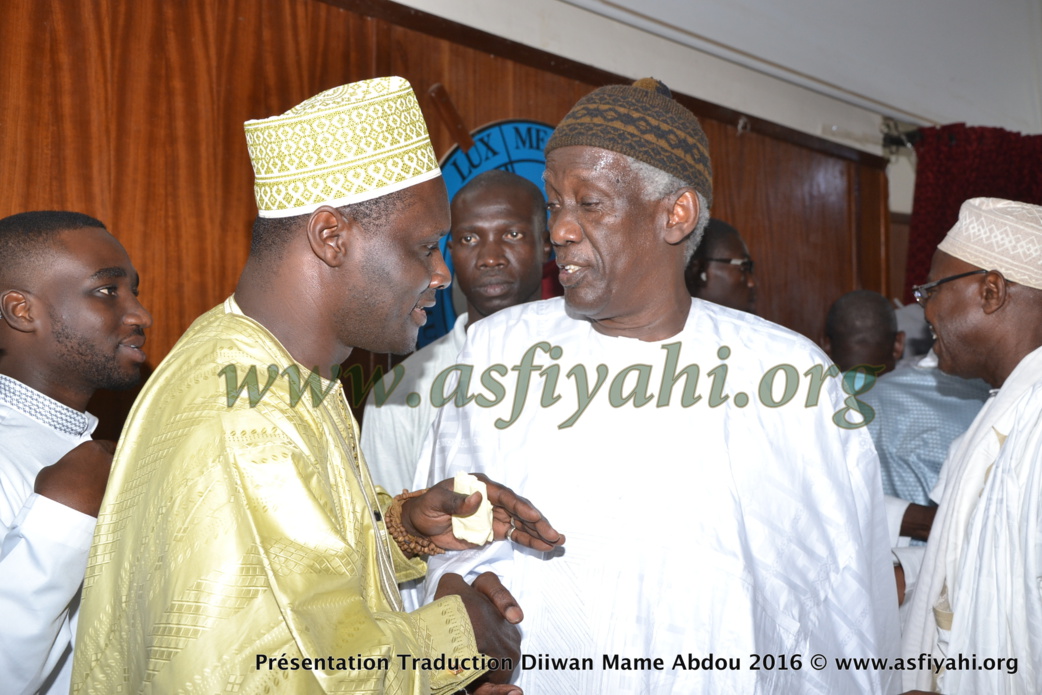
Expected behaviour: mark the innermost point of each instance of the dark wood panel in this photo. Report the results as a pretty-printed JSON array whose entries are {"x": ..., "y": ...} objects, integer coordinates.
[
  {"x": 483, "y": 87},
  {"x": 791, "y": 206},
  {"x": 869, "y": 197},
  {"x": 51, "y": 89},
  {"x": 897, "y": 250},
  {"x": 133, "y": 112}
]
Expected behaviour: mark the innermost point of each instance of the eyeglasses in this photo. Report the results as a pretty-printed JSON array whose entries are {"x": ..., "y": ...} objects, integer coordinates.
[
  {"x": 923, "y": 292},
  {"x": 745, "y": 264}
]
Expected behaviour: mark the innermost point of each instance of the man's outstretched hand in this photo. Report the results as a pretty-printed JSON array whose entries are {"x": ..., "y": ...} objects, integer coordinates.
[{"x": 513, "y": 516}]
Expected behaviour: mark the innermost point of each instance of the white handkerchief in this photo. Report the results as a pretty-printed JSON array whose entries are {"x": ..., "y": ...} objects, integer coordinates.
[{"x": 476, "y": 528}]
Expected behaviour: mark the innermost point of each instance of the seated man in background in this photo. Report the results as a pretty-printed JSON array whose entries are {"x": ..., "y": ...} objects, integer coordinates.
[
  {"x": 861, "y": 330},
  {"x": 70, "y": 324},
  {"x": 721, "y": 269},
  {"x": 499, "y": 244},
  {"x": 242, "y": 546},
  {"x": 729, "y": 527}
]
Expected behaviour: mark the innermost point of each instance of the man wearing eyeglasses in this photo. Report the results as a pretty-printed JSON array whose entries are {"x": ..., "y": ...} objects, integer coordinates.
[
  {"x": 721, "y": 270},
  {"x": 979, "y": 593}
]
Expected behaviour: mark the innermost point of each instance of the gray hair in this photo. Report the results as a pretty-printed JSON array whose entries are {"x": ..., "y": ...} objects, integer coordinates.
[{"x": 658, "y": 184}]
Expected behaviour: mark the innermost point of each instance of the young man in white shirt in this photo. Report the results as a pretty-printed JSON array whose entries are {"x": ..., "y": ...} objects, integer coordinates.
[{"x": 70, "y": 324}]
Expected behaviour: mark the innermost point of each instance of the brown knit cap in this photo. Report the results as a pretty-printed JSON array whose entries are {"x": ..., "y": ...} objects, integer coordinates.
[{"x": 644, "y": 122}]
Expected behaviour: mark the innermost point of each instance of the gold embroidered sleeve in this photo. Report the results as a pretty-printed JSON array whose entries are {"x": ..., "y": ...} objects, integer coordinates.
[
  {"x": 328, "y": 590},
  {"x": 443, "y": 630}
]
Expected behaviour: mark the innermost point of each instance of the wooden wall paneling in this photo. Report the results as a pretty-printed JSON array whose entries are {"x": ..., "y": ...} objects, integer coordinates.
[
  {"x": 133, "y": 112},
  {"x": 52, "y": 108},
  {"x": 224, "y": 63},
  {"x": 869, "y": 200},
  {"x": 187, "y": 74},
  {"x": 791, "y": 206},
  {"x": 56, "y": 125},
  {"x": 483, "y": 87},
  {"x": 149, "y": 111},
  {"x": 898, "y": 253}
]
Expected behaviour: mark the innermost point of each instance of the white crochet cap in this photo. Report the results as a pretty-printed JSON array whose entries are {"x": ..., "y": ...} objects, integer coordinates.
[
  {"x": 1002, "y": 235},
  {"x": 344, "y": 146}
]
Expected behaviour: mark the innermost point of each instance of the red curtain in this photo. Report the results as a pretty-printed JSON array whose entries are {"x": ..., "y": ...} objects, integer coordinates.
[{"x": 955, "y": 163}]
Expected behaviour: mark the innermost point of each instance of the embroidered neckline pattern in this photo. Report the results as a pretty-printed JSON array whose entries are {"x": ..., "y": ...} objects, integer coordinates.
[{"x": 41, "y": 408}]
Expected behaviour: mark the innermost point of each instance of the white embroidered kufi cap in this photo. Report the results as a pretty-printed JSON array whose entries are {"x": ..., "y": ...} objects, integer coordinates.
[
  {"x": 346, "y": 145},
  {"x": 1002, "y": 235}
]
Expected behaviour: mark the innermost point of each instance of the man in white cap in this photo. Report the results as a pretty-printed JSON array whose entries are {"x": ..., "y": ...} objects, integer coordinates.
[
  {"x": 241, "y": 546},
  {"x": 975, "y": 620}
]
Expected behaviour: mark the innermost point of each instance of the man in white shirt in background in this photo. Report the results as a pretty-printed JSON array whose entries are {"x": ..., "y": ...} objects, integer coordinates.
[
  {"x": 499, "y": 244},
  {"x": 70, "y": 324}
]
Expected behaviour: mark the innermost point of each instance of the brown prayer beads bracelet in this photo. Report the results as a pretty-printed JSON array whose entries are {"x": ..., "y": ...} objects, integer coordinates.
[{"x": 410, "y": 545}]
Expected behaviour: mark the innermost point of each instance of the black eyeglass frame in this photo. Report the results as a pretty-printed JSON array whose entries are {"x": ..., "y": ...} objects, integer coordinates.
[
  {"x": 744, "y": 264},
  {"x": 922, "y": 292}
]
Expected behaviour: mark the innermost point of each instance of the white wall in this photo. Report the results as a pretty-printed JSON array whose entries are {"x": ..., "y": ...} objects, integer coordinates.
[
  {"x": 926, "y": 61},
  {"x": 592, "y": 38}
]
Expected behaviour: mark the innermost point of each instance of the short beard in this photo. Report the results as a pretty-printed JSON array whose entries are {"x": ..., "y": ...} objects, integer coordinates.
[{"x": 83, "y": 358}]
